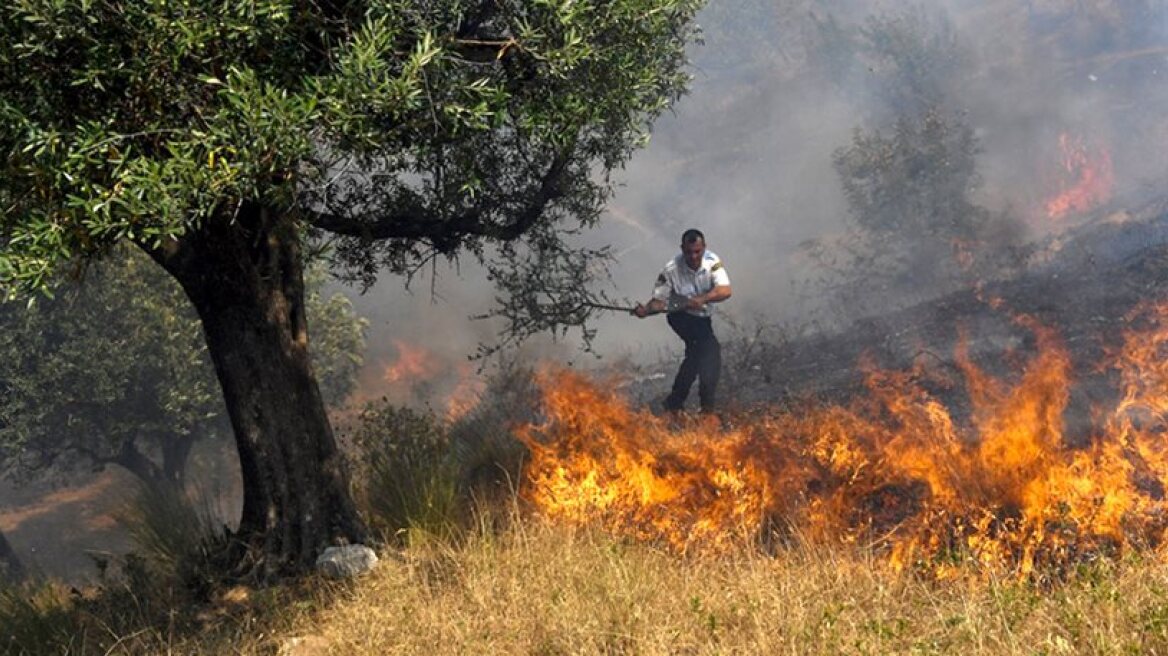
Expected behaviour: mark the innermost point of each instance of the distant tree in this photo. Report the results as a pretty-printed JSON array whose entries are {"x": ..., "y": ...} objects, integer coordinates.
[
  {"x": 913, "y": 230},
  {"x": 904, "y": 61},
  {"x": 222, "y": 138},
  {"x": 114, "y": 370},
  {"x": 337, "y": 349},
  {"x": 915, "y": 56}
]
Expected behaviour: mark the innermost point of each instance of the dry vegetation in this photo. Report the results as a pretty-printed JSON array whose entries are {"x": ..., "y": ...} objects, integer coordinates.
[
  {"x": 538, "y": 589},
  {"x": 495, "y": 577}
]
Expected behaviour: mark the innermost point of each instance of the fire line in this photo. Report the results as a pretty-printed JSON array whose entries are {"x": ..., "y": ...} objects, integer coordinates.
[{"x": 895, "y": 470}]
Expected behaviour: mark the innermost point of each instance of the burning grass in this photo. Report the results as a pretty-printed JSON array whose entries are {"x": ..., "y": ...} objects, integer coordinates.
[{"x": 931, "y": 489}]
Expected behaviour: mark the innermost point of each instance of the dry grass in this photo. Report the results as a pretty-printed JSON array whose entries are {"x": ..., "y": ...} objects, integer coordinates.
[
  {"x": 540, "y": 590},
  {"x": 537, "y": 589}
]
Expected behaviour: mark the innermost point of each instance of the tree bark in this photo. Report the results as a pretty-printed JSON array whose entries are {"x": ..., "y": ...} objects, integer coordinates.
[{"x": 244, "y": 276}]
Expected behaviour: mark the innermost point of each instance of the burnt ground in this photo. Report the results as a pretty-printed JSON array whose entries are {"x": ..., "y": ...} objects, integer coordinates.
[{"x": 1082, "y": 283}]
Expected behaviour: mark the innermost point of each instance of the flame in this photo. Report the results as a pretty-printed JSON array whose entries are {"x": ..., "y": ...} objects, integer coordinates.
[
  {"x": 900, "y": 469},
  {"x": 598, "y": 460},
  {"x": 467, "y": 392},
  {"x": 965, "y": 252},
  {"x": 419, "y": 376},
  {"x": 1086, "y": 181},
  {"x": 413, "y": 363}
]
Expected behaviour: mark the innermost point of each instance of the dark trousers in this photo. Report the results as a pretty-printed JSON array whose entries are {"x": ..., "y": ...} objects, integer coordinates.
[{"x": 703, "y": 360}]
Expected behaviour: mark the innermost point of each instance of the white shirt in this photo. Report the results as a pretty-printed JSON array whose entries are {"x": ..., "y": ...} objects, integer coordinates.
[{"x": 677, "y": 281}]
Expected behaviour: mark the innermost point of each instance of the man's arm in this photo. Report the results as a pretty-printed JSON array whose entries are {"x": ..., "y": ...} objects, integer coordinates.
[
  {"x": 662, "y": 289},
  {"x": 654, "y": 306},
  {"x": 657, "y": 306},
  {"x": 716, "y": 295}
]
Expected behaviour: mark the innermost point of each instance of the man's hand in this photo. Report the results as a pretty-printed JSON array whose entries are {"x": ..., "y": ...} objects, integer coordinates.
[
  {"x": 695, "y": 302},
  {"x": 654, "y": 306}
]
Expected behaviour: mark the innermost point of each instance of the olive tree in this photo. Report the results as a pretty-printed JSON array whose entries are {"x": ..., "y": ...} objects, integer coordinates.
[
  {"x": 228, "y": 138},
  {"x": 113, "y": 371},
  {"x": 914, "y": 230},
  {"x": 909, "y": 174}
]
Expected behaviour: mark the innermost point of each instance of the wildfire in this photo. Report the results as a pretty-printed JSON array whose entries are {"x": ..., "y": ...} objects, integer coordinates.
[
  {"x": 901, "y": 470},
  {"x": 1086, "y": 180},
  {"x": 413, "y": 363},
  {"x": 468, "y": 389},
  {"x": 419, "y": 376}
]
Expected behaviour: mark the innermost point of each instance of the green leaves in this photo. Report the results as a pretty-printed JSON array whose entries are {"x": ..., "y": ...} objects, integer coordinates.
[
  {"x": 119, "y": 359},
  {"x": 471, "y": 122}
]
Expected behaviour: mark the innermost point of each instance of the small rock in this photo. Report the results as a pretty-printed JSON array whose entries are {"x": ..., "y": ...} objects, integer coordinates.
[{"x": 347, "y": 561}]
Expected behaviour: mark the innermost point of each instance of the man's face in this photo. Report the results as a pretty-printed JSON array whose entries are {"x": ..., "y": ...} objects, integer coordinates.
[{"x": 693, "y": 253}]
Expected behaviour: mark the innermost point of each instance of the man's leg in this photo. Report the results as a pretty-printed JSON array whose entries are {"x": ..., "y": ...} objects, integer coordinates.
[
  {"x": 709, "y": 370},
  {"x": 682, "y": 324}
]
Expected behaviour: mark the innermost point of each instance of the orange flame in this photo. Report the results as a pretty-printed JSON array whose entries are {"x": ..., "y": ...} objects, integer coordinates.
[
  {"x": 420, "y": 376},
  {"x": 467, "y": 392},
  {"x": 413, "y": 363},
  {"x": 898, "y": 469},
  {"x": 1087, "y": 179}
]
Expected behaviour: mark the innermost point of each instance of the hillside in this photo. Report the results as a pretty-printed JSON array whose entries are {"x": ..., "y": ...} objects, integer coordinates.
[{"x": 1082, "y": 283}]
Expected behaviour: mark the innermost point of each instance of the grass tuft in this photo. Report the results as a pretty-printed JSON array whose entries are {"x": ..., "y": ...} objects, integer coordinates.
[
  {"x": 36, "y": 619},
  {"x": 175, "y": 538}
]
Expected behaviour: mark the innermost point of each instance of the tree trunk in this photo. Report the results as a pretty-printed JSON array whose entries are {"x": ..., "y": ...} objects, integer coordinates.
[
  {"x": 243, "y": 274},
  {"x": 135, "y": 462},
  {"x": 176, "y": 449},
  {"x": 11, "y": 569}
]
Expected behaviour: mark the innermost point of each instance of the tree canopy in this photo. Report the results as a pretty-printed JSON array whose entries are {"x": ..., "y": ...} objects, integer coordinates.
[
  {"x": 227, "y": 137},
  {"x": 406, "y": 129},
  {"x": 909, "y": 173}
]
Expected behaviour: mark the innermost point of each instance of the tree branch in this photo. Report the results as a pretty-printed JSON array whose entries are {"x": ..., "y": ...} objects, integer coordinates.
[{"x": 416, "y": 224}]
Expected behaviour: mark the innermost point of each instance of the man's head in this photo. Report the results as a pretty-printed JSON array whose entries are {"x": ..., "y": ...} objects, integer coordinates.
[{"x": 693, "y": 247}]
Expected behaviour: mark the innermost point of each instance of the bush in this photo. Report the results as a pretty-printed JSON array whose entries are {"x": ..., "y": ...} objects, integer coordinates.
[
  {"x": 483, "y": 442},
  {"x": 419, "y": 475},
  {"x": 409, "y": 482}
]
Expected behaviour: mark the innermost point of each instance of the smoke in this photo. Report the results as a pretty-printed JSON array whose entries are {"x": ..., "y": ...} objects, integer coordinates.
[{"x": 779, "y": 86}]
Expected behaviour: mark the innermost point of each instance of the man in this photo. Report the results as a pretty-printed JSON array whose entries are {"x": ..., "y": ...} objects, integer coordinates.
[{"x": 686, "y": 287}]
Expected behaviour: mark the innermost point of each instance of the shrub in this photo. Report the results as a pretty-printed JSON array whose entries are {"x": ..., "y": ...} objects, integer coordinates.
[
  {"x": 176, "y": 538},
  {"x": 483, "y": 442},
  {"x": 408, "y": 478}
]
